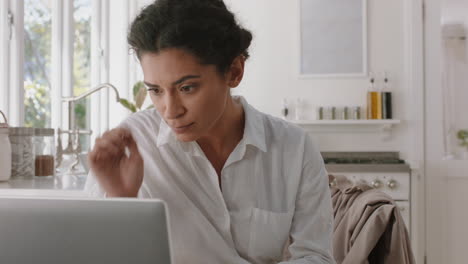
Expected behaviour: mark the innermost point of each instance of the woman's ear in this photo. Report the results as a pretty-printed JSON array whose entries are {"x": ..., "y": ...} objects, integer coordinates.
[{"x": 236, "y": 71}]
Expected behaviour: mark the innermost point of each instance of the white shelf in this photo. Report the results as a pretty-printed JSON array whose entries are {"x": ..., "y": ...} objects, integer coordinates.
[
  {"x": 382, "y": 126},
  {"x": 347, "y": 122}
]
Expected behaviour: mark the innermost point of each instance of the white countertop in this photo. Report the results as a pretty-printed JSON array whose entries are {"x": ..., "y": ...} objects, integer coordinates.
[{"x": 66, "y": 185}]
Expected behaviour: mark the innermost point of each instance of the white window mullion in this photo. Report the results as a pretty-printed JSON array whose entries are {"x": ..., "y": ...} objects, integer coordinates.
[
  {"x": 4, "y": 57},
  {"x": 16, "y": 80},
  {"x": 110, "y": 63},
  {"x": 67, "y": 57},
  {"x": 119, "y": 60},
  {"x": 104, "y": 107},
  {"x": 96, "y": 57},
  {"x": 56, "y": 76},
  {"x": 134, "y": 67}
]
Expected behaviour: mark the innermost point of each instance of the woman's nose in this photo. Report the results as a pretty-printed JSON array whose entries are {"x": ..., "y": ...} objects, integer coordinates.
[{"x": 174, "y": 108}]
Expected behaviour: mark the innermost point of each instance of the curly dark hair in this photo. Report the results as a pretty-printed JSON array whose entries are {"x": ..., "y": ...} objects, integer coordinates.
[{"x": 205, "y": 28}]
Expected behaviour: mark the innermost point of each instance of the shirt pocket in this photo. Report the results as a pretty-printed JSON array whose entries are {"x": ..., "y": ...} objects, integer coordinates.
[{"x": 269, "y": 232}]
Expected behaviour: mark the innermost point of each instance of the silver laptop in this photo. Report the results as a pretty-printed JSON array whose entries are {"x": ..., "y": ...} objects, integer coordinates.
[{"x": 69, "y": 231}]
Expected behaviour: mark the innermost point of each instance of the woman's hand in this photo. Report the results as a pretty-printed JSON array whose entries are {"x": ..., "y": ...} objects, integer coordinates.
[{"x": 119, "y": 174}]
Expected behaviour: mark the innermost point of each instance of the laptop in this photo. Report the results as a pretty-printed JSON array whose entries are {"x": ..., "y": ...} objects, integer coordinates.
[{"x": 84, "y": 230}]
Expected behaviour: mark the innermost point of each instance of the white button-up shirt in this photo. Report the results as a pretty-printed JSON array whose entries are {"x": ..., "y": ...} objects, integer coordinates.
[{"x": 274, "y": 186}]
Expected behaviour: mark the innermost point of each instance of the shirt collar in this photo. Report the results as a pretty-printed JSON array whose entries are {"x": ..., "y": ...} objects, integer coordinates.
[
  {"x": 254, "y": 131},
  {"x": 165, "y": 134}
]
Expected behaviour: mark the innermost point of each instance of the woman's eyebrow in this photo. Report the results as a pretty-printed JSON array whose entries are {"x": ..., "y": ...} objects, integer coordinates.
[
  {"x": 181, "y": 80},
  {"x": 150, "y": 85}
]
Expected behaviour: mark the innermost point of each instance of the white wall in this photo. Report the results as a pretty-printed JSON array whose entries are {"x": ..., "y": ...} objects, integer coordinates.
[
  {"x": 454, "y": 11},
  {"x": 271, "y": 72}
]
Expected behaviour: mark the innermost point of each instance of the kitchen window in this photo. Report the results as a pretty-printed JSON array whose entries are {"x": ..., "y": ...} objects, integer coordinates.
[
  {"x": 51, "y": 49},
  {"x": 47, "y": 53}
]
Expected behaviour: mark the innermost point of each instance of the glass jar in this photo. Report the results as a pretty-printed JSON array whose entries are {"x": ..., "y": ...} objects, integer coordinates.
[
  {"x": 345, "y": 113},
  {"x": 5, "y": 153},
  {"x": 357, "y": 112},
  {"x": 44, "y": 150},
  {"x": 22, "y": 152},
  {"x": 320, "y": 115}
]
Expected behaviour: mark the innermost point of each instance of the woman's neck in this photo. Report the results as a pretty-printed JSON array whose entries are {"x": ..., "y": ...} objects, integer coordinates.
[{"x": 228, "y": 131}]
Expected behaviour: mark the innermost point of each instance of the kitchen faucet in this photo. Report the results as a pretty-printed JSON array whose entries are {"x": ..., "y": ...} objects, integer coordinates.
[{"x": 73, "y": 146}]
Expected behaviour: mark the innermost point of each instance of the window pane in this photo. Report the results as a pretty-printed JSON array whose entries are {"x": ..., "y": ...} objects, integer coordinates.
[
  {"x": 82, "y": 63},
  {"x": 37, "y": 59}
]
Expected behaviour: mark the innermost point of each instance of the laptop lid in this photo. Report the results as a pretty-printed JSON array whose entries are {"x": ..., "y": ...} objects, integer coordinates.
[{"x": 71, "y": 230}]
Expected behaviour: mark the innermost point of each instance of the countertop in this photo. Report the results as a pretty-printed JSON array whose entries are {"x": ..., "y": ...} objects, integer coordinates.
[
  {"x": 70, "y": 185},
  {"x": 64, "y": 185}
]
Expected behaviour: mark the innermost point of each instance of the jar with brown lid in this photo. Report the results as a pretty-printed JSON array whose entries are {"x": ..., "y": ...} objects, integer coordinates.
[{"x": 44, "y": 146}]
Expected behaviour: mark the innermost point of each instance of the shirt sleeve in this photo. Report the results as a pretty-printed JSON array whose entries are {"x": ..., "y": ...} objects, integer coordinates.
[{"x": 312, "y": 225}]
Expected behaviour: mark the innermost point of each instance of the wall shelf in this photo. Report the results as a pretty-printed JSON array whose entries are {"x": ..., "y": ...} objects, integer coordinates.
[{"x": 349, "y": 126}]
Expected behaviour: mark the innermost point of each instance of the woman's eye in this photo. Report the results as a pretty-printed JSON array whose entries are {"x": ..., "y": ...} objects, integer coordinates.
[
  {"x": 155, "y": 91},
  {"x": 187, "y": 88}
]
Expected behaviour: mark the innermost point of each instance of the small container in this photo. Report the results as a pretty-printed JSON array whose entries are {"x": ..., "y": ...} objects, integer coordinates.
[
  {"x": 44, "y": 149},
  {"x": 5, "y": 153},
  {"x": 22, "y": 152},
  {"x": 320, "y": 113},
  {"x": 333, "y": 113},
  {"x": 344, "y": 113},
  {"x": 300, "y": 109},
  {"x": 356, "y": 113},
  {"x": 329, "y": 113}
]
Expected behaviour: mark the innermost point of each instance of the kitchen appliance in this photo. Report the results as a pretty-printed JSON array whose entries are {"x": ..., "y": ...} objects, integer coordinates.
[{"x": 384, "y": 171}]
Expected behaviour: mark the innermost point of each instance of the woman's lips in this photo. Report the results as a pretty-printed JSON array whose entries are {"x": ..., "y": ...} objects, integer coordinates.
[{"x": 182, "y": 129}]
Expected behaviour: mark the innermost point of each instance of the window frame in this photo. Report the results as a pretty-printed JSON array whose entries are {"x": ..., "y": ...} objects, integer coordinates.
[
  {"x": 12, "y": 60},
  {"x": 103, "y": 32}
]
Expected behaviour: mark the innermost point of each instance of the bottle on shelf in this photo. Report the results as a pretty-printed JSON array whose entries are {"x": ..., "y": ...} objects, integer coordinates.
[
  {"x": 372, "y": 99},
  {"x": 379, "y": 101},
  {"x": 285, "y": 109},
  {"x": 386, "y": 98}
]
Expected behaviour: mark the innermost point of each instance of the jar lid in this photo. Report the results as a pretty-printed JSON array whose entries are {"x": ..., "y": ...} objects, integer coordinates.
[
  {"x": 21, "y": 131},
  {"x": 44, "y": 131}
]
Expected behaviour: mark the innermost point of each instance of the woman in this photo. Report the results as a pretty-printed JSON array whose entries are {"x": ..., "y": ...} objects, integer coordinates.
[{"x": 238, "y": 183}]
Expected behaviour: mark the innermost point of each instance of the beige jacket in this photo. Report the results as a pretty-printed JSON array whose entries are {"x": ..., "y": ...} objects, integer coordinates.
[{"x": 368, "y": 227}]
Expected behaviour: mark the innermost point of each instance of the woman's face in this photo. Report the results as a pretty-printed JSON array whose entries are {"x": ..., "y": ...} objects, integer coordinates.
[{"x": 191, "y": 97}]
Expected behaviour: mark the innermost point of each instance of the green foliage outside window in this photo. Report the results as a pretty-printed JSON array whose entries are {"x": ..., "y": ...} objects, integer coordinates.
[
  {"x": 37, "y": 57},
  {"x": 37, "y": 52},
  {"x": 463, "y": 137}
]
